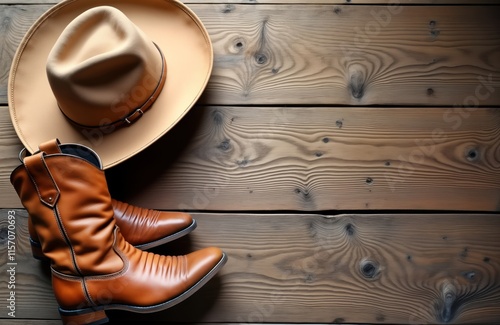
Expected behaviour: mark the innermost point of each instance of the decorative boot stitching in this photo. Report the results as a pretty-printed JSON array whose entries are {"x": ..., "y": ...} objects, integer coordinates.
[
  {"x": 122, "y": 256},
  {"x": 73, "y": 256},
  {"x": 73, "y": 278},
  {"x": 67, "y": 240},
  {"x": 39, "y": 173}
]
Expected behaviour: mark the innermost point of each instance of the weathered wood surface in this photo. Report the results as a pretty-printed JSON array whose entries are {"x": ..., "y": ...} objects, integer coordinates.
[
  {"x": 356, "y": 268},
  {"x": 348, "y": 2},
  {"x": 283, "y": 127},
  {"x": 321, "y": 158},
  {"x": 31, "y": 322},
  {"x": 333, "y": 54},
  {"x": 9, "y": 145},
  {"x": 309, "y": 159}
]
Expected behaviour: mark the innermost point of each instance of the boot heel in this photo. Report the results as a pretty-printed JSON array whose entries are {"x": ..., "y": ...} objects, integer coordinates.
[
  {"x": 36, "y": 251},
  {"x": 87, "y": 316}
]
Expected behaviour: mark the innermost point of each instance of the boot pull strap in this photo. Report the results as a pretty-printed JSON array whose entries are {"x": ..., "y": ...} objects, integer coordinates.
[
  {"x": 40, "y": 175},
  {"x": 50, "y": 147}
]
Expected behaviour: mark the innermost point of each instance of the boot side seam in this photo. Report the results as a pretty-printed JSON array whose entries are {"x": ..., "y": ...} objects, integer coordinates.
[
  {"x": 116, "y": 274},
  {"x": 73, "y": 256},
  {"x": 107, "y": 277},
  {"x": 62, "y": 229},
  {"x": 74, "y": 278}
]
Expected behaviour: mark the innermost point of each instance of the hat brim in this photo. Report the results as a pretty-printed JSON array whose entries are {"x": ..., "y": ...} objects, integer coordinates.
[{"x": 171, "y": 25}]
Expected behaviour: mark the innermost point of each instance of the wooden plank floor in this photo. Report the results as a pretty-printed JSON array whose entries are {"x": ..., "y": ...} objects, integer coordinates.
[
  {"x": 319, "y": 268},
  {"x": 335, "y": 55},
  {"x": 321, "y": 158},
  {"x": 345, "y": 155}
]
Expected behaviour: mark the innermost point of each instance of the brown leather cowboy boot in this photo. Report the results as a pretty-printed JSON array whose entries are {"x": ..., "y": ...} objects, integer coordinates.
[
  {"x": 93, "y": 267},
  {"x": 141, "y": 227}
]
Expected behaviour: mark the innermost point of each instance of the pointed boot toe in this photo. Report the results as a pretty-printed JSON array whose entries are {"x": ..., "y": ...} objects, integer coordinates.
[
  {"x": 146, "y": 228},
  {"x": 204, "y": 261}
]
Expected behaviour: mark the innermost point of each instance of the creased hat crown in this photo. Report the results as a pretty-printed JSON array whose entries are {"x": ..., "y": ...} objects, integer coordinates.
[{"x": 103, "y": 70}]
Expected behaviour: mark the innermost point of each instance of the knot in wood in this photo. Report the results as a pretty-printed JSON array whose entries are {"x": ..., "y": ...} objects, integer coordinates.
[
  {"x": 260, "y": 58},
  {"x": 472, "y": 154},
  {"x": 357, "y": 84},
  {"x": 228, "y": 8},
  {"x": 304, "y": 194},
  {"x": 448, "y": 306},
  {"x": 225, "y": 145},
  {"x": 218, "y": 118},
  {"x": 349, "y": 229},
  {"x": 3, "y": 235},
  {"x": 369, "y": 269},
  {"x": 239, "y": 43},
  {"x": 470, "y": 275}
]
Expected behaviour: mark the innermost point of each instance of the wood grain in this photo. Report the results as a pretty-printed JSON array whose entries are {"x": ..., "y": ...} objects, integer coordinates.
[
  {"x": 350, "y": 2},
  {"x": 31, "y": 322},
  {"x": 308, "y": 159},
  {"x": 14, "y": 23},
  {"x": 325, "y": 106},
  {"x": 58, "y": 322},
  {"x": 319, "y": 158},
  {"x": 410, "y": 268},
  {"x": 334, "y": 54},
  {"x": 350, "y": 55},
  {"x": 10, "y": 145}
]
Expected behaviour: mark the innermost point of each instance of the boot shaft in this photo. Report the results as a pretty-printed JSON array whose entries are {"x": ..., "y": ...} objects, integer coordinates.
[{"x": 68, "y": 199}]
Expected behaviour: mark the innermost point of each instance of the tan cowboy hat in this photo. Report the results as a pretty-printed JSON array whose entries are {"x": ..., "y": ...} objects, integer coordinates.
[{"x": 114, "y": 75}]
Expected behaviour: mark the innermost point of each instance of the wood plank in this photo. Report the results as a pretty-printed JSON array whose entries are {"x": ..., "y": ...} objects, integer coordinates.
[
  {"x": 359, "y": 268},
  {"x": 349, "y": 55},
  {"x": 14, "y": 23},
  {"x": 58, "y": 322},
  {"x": 10, "y": 145},
  {"x": 334, "y": 54},
  {"x": 349, "y": 2},
  {"x": 322, "y": 158},
  {"x": 308, "y": 159},
  {"x": 31, "y": 322}
]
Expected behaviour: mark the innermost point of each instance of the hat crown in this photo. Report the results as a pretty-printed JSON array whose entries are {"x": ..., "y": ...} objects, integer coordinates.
[{"x": 103, "y": 68}]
